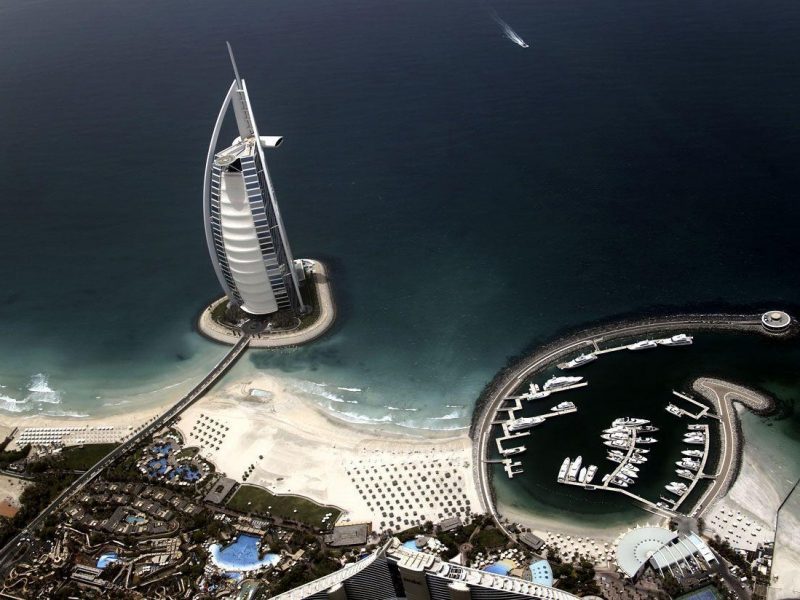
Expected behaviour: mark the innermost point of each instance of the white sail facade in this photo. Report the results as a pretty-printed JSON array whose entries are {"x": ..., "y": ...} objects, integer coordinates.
[{"x": 244, "y": 230}]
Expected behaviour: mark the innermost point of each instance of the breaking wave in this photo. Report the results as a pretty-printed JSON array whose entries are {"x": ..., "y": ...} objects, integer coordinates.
[
  {"x": 318, "y": 389},
  {"x": 396, "y": 408},
  {"x": 347, "y": 389},
  {"x": 40, "y": 390},
  {"x": 10, "y": 404},
  {"x": 452, "y": 415}
]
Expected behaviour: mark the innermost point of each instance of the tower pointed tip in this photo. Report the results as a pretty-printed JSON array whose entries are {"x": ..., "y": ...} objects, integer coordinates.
[{"x": 233, "y": 63}]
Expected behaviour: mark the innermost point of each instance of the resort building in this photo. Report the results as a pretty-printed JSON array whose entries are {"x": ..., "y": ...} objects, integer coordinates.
[
  {"x": 396, "y": 571},
  {"x": 244, "y": 231},
  {"x": 677, "y": 554}
]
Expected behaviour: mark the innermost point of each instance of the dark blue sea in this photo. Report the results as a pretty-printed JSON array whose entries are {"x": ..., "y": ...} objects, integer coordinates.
[{"x": 472, "y": 197}]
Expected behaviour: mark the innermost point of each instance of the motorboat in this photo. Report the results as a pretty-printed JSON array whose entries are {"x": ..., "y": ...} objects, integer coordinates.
[
  {"x": 663, "y": 505},
  {"x": 647, "y": 428},
  {"x": 557, "y": 383},
  {"x": 694, "y": 453},
  {"x": 563, "y": 406},
  {"x": 646, "y": 440},
  {"x": 622, "y": 478},
  {"x": 637, "y": 460},
  {"x": 671, "y": 408},
  {"x": 513, "y": 451},
  {"x": 628, "y": 473},
  {"x": 616, "y": 436},
  {"x": 574, "y": 468},
  {"x": 616, "y": 443},
  {"x": 643, "y": 345},
  {"x": 591, "y": 473},
  {"x": 697, "y": 427},
  {"x": 562, "y": 472},
  {"x": 524, "y": 423},
  {"x": 582, "y": 475},
  {"x": 685, "y": 473},
  {"x": 688, "y": 464},
  {"x": 628, "y": 421},
  {"x": 615, "y": 430},
  {"x": 677, "y": 488},
  {"x": 579, "y": 361},
  {"x": 641, "y": 450},
  {"x": 680, "y": 339},
  {"x": 617, "y": 458},
  {"x": 534, "y": 393}
]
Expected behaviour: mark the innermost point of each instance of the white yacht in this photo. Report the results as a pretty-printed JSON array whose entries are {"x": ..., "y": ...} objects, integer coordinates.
[
  {"x": 671, "y": 408},
  {"x": 562, "y": 472},
  {"x": 513, "y": 451},
  {"x": 557, "y": 383},
  {"x": 688, "y": 464},
  {"x": 579, "y": 361},
  {"x": 616, "y": 443},
  {"x": 615, "y": 436},
  {"x": 676, "y": 340},
  {"x": 646, "y": 440},
  {"x": 582, "y": 475},
  {"x": 663, "y": 505},
  {"x": 615, "y": 430},
  {"x": 630, "y": 468},
  {"x": 643, "y": 345},
  {"x": 641, "y": 450},
  {"x": 647, "y": 428},
  {"x": 695, "y": 439},
  {"x": 615, "y": 458},
  {"x": 534, "y": 393},
  {"x": 622, "y": 478},
  {"x": 637, "y": 459},
  {"x": 694, "y": 453},
  {"x": 591, "y": 473},
  {"x": 628, "y": 421},
  {"x": 685, "y": 473},
  {"x": 563, "y": 406},
  {"x": 574, "y": 468},
  {"x": 697, "y": 427},
  {"x": 677, "y": 488},
  {"x": 628, "y": 473},
  {"x": 606, "y": 477},
  {"x": 524, "y": 423}
]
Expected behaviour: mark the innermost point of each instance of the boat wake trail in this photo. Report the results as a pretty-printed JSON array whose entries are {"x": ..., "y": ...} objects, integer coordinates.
[{"x": 507, "y": 31}]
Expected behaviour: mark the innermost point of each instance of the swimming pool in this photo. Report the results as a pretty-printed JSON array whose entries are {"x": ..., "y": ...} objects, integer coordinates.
[
  {"x": 106, "y": 559},
  {"x": 411, "y": 545},
  {"x": 241, "y": 555},
  {"x": 134, "y": 519},
  {"x": 542, "y": 573}
]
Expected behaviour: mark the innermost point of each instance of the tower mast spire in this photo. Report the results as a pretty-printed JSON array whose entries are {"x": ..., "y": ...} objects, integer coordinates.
[{"x": 235, "y": 69}]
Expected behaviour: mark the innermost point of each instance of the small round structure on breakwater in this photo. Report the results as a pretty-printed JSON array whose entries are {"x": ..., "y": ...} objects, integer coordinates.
[{"x": 775, "y": 320}]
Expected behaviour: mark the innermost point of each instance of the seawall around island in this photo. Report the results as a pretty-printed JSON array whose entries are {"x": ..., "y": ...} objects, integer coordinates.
[{"x": 324, "y": 318}]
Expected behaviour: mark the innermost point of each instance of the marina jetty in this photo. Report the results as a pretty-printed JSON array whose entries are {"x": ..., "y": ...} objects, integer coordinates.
[
  {"x": 214, "y": 323},
  {"x": 495, "y": 395}
]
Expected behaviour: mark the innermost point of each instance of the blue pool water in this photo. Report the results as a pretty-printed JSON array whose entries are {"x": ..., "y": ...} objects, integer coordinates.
[
  {"x": 134, "y": 519},
  {"x": 185, "y": 473},
  {"x": 497, "y": 569},
  {"x": 164, "y": 449},
  {"x": 106, "y": 559},
  {"x": 541, "y": 573},
  {"x": 241, "y": 555},
  {"x": 411, "y": 545}
]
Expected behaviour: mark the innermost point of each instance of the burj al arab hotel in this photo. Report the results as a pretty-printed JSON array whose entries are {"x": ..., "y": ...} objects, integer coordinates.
[{"x": 244, "y": 230}]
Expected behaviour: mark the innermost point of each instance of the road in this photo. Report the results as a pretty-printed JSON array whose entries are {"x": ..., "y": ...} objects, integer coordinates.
[
  {"x": 24, "y": 536},
  {"x": 537, "y": 361}
]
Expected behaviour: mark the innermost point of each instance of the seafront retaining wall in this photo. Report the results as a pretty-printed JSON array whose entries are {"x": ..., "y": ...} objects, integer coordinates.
[{"x": 217, "y": 332}]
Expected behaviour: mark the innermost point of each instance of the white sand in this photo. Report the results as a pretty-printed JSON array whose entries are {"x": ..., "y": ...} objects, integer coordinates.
[
  {"x": 87, "y": 428},
  {"x": 307, "y": 451},
  {"x": 10, "y": 490}
]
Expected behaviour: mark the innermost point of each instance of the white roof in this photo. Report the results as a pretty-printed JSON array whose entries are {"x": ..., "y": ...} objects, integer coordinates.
[{"x": 635, "y": 547}]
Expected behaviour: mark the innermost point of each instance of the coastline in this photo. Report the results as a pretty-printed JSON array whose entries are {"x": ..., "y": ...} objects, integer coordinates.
[{"x": 283, "y": 443}]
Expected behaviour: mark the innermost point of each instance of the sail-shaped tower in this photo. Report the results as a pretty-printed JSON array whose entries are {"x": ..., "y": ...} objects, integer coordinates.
[{"x": 244, "y": 230}]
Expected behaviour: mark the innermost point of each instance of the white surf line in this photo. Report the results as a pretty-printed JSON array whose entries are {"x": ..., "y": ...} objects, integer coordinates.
[{"x": 507, "y": 31}]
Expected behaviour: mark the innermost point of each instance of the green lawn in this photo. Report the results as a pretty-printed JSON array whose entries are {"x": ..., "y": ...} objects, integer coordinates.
[
  {"x": 260, "y": 500},
  {"x": 82, "y": 458},
  {"x": 490, "y": 538}
]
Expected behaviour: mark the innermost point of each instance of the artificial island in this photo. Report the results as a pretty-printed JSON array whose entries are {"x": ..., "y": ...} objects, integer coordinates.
[{"x": 245, "y": 490}]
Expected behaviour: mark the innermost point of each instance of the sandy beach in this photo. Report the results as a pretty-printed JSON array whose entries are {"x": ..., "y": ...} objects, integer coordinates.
[{"x": 296, "y": 447}]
